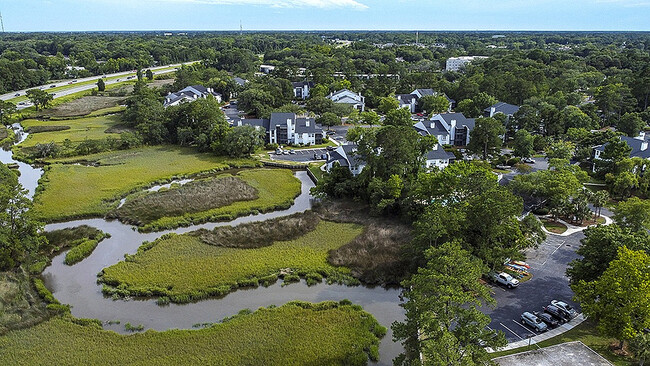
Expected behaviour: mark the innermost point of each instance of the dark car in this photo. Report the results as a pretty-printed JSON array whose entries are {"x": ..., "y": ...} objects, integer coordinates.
[
  {"x": 557, "y": 313},
  {"x": 548, "y": 319},
  {"x": 330, "y": 148}
]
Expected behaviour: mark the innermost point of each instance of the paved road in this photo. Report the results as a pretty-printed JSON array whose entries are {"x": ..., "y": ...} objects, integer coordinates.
[
  {"x": 75, "y": 89},
  {"x": 548, "y": 266}
]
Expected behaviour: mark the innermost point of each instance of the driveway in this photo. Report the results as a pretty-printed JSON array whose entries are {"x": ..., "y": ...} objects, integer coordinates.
[{"x": 549, "y": 282}]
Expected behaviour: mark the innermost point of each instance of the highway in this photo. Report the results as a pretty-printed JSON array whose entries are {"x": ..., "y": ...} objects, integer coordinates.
[{"x": 67, "y": 87}]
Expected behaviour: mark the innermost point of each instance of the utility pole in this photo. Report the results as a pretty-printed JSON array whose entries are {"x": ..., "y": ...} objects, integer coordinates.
[{"x": 2, "y": 23}]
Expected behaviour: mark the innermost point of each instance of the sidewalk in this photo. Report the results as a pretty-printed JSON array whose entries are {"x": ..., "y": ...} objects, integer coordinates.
[
  {"x": 542, "y": 337},
  {"x": 572, "y": 229}
]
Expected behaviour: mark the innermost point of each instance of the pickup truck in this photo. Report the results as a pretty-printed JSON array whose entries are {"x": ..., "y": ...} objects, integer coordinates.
[{"x": 503, "y": 279}]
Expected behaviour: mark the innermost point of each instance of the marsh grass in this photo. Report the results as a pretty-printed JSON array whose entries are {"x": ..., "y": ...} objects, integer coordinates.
[
  {"x": 192, "y": 197},
  {"x": 68, "y": 191},
  {"x": 296, "y": 333},
  {"x": 256, "y": 235},
  {"x": 185, "y": 269},
  {"x": 76, "y": 130},
  {"x": 82, "y": 107},
  {"x": 59, "y": 240},
  {"x": 276, "y": 189}
]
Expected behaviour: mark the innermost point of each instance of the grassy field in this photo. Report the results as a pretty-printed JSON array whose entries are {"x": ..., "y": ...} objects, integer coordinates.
[
  {"x": 268, "y": 190},
  {"x": 85, "y": 106},
  {"x": 80, "y": 129},
  {"x": 587, "y": 334},
  {"x": 297, "y": 333},
  {"x": 69, "y": 191},
  {"x": 185, "y": 269}
]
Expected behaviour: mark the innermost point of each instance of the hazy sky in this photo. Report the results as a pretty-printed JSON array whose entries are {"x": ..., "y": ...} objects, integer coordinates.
[{"x": 80, "y": 15}]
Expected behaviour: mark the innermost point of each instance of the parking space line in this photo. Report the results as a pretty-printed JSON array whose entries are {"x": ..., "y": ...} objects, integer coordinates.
[
  {"x": 525, "y": 327},
  {"x": 556, "y": 249},
  {"x": 510, "y": 330}
]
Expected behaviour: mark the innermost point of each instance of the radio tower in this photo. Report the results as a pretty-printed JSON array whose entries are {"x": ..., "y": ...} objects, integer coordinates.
[
  {"x": 241, "y": 28},
  {"x": 2, "y": 23}
]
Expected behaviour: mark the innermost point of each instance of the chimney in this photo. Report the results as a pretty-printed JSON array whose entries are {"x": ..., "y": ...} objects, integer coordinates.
[
  {"x": 433, "y": 124},
  {"x": 492, "y": 111},
  {"x": 435, "y": 147},
  {"x": 307, "y": 123},
  {"x": 644, "y": 146},
  {"x": 453, "y": 123}
]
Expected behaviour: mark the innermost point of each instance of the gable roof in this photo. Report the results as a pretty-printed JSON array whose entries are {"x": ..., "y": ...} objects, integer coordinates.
[
  {"x": 240, "y": 81},
  {"x": 406, "y": 98},
  {"x": 460, "y": 119},
  {"x": 439, "y": 153},
  {"x": 425, "y": 128},
  {"x": 280, "y": 119},
  {"x": 505, "y": 108}
]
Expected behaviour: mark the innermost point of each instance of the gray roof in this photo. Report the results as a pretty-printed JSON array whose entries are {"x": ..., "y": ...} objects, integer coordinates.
[
  {"x": 505, "y": 108},
  {"x": 461, "y": 120},
  {"x": 424, "y": 128},
  {"x": 406, "y": 98},
  {"x": 280, "y": 119},
  {"x": 353, "y": 157},
  {"x": 335, "y": 157},
  {"x": 301, "y": 126},
  {"x": 440, "y": 154},
  {"x": 264, "y": 123},
  {"x": 635, "y": 143},
  {"x": 240, "y": 81},
  {"x": 426, "y": 92}
]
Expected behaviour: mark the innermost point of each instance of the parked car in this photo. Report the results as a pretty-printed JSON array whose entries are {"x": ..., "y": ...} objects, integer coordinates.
[
  {"x": 528, "y": 160},
  {"x": 17, "y": 95},
  {"x": 533, "y": 321},
  {"x": 330, "y": 133},
  {"x": 285, "y": 152},
  {"x": 548, "y": 319},
  {"x": 557, "y": 313},
  {"x": 503, "y": 279},
  {"x": 52, "y": 86},
  {"x": 330, "y": 148},
  {"x": 568, "y": 309},
  {"x": 278, "y": 151},
  {"x": 292, "y": 151}
]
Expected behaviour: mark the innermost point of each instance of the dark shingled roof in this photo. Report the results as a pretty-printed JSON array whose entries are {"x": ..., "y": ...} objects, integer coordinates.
[
  {"x": 440, "y": 154},
  {"x": 505, "y": 108}
]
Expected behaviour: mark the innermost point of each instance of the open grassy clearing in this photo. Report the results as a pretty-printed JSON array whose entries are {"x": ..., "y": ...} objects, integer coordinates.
[
  {"x": 218, "y": 199},
  {"x": 185, "y": 269},
  {"x": 69, "y": 191},
  {"x": 80, "y": 129},
  {"x": 587, "y": 334},
  {"x": 83, "y": 106},
  {"x": 296, "y": 333}
]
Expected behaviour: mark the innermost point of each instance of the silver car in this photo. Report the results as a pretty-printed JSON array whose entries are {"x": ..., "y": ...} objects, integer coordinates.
[
  {"x": 534, "y": 322},
  {"x": 565, "y": 307}
]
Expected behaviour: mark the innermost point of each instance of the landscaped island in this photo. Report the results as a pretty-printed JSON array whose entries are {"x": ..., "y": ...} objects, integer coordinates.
[{"x": 297, "y": 333}]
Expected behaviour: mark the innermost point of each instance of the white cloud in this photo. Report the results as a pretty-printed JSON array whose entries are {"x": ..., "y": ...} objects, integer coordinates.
[{"x": 323, "y": 4}]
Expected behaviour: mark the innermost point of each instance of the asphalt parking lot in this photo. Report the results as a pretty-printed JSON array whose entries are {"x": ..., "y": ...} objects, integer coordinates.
[
  {"x": 301, "y": 156},
  {"x": 549, "y": 282}
]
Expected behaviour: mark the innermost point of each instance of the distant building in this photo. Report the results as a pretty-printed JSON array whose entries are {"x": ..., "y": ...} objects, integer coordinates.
[
  {"x": 508, "y": 109},
  {"x": 458, "y": 63},
  {"x": 287, "y": 128},
  {"x": 357, "y": 101},
  {"x": 438, "y": 158},
  {"x": 411, "y": 101},
  {"x": 267, "y": 69},
  {"x": 190, "y": 94},
  {"x": 240, "y": 81},
  {"x": 301, "y": 89}
]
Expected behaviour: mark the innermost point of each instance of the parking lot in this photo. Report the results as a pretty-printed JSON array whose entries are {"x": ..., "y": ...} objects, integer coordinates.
[
  {"x": 300, "y": 156},
  {"x": 549, "y": 282}
]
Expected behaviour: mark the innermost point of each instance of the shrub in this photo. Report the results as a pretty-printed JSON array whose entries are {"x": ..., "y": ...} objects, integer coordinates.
[{"x": 80, "y": 251}]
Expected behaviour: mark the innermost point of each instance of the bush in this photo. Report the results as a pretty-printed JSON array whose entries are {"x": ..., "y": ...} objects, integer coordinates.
[{"x": 541, "y": 211}]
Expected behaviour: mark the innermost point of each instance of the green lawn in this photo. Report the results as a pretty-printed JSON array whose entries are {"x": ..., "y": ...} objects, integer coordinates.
[
  {"x": 587, "y": 334},
  {"x": 186, "y": 269},
  {"x": 297, "y": 333},
  {"x": 554, "y": 226},
  {"x": 87, "y": 128},
  {"x": 275, "y": 189},
  {"x": 74, "y": 191},
  {"x": 315, "y": 169}
]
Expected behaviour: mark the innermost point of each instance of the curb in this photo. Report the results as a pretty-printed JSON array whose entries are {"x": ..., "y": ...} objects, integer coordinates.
[{"x": 544, "y": 336}]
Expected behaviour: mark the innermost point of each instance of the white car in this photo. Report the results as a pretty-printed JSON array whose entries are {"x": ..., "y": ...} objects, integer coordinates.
[
  {"x": 565, "y": 307},
  {"x": 504, "y": 279}
]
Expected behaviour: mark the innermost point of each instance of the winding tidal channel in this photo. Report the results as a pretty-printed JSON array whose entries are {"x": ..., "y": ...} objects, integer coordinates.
[{"x": 77, "y": 285}]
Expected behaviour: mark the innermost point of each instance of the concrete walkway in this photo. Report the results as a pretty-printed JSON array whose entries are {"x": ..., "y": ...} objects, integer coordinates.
[
  {"x": 572, "y": 229},
  {"x": 542, "y": 337}
]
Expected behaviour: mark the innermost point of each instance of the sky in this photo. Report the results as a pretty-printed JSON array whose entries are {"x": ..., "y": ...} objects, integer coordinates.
[{"x": 442, "y": 15}]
